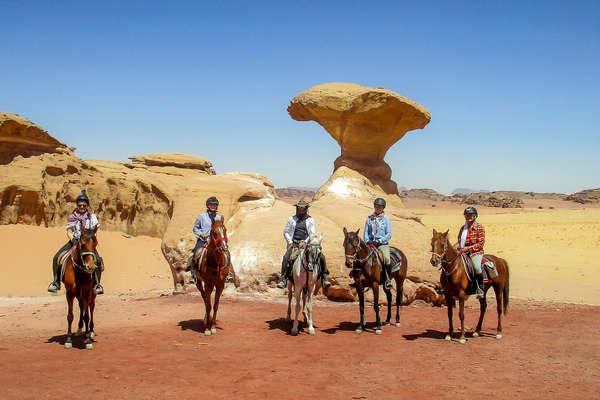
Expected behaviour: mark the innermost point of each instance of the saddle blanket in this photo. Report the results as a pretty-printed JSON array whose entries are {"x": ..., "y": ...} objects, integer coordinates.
[
  {"x": 488, "y": 268},
  {"x": 62, "y": 261}
]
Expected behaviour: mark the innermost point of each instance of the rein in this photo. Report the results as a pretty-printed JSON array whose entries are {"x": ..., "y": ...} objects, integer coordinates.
[
  {"x": 355, "y": 255},
  {"x": 442, "y": 259}
]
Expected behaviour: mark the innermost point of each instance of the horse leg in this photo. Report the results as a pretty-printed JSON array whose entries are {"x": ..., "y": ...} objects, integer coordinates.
[
  {"x": 388, "y": 296},
  {"x": 361, "y": 306},
  {"x": 499, "y": 300},
  {"x": 70, "y": 298},
  {"x": 304, "y": 296},
  {"x": 297, "y": 294},
  {"x": 213, "y": 325},
  {"x": 86, "y": 319},
  {"x": 482, "y": 308},
  {"x": 449, "y": 305},
  {"x": 309, "y": 305},
  {"x": 461, "y": 315},
  {"x": 376, "y": 307},
  {"x": 289, "y": 310},
  {"x": 208, "y": 288},
  {"x": 399, "y": 297},
  {"x": 80, "y": 324},
  {"x": 92, "y": 306}
]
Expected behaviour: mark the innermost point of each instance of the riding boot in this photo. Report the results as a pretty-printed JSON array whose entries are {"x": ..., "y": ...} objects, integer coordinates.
[
  {"x": 388, "y": 278},
  {"x": 191, "y": 266},
  {"x": 96, "y": 275},
  {"x": 325, "y": 278},
  {"x": 55, "y": 284},
  {"x": 282, "y": 280},
  {"x": 479, "y": 281}
]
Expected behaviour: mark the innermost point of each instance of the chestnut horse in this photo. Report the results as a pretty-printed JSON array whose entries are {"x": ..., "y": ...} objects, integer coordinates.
[
  {"x": 212, "y": 273},
  {"x": 455, "y": 281},
  {"x": 366, "y": 272},
  {"x": 79, "y": 284}
]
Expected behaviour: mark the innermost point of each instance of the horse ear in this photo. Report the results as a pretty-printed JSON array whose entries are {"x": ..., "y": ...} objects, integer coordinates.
[
  {"x": 446, "y": 233},
  {"x": 434, "y": 231},
  {"x": 320, "y": 238},
  {"x": 358, "y": 230},
  {"x": 345, "y": 232}
]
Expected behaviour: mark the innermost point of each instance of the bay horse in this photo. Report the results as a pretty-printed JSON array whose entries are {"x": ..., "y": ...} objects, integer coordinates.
[
  {"x": 79, "y": 267},
  {"x": 366, "y": 272},
  {"x": 454, "y": 281},
  {"x": 306, "y": 271},
  {"x": 212, "y": 273}
]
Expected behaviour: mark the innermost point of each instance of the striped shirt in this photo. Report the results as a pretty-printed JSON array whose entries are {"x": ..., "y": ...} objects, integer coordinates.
[{"x": 475, "y": 239}]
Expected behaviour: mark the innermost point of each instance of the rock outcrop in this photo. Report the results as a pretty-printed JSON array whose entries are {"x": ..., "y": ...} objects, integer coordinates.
[
  {"x": 21, "y": 137},
  {"x": 588, "y": 196},
  {"x": 364, "y": 121},
  {"x": 172, "y": 162}
]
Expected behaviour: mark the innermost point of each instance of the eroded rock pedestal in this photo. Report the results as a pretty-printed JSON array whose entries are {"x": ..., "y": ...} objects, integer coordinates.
[{"x": 364, "y": 121}]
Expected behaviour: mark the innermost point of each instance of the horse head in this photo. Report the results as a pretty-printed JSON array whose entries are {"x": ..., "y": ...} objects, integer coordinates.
[
  {"x": 87, "y": 248},
  {"x": 439, "y": 247},
  {"x": 313, "y": 250},
  {"x": 218, "y": 235},
  {"x": 352, "y": 243}
]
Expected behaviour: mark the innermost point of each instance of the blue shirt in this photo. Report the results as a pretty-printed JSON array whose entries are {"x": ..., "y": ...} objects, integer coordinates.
[
  {"x": 203, "y": 225},
  {"x": 383, "y": 233}
]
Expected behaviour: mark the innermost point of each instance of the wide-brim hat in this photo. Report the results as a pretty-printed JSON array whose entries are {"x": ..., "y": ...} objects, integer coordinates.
[{"x": 302, "y": 204}]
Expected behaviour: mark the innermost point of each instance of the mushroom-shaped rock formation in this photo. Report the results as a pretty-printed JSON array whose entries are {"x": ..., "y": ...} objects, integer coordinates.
[
  {"x": 364, "y": 121},
  {"x": 21, "y": 137}
]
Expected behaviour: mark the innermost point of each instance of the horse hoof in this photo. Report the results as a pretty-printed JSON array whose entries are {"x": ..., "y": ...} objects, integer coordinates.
[
  {"x": 358, "y": 330},
  {"x": 89, "y": 346},
  {"x": 378, "y": 332},
  {"x": 499, "y": 336},
  {"x": 386, "y": 323},
  {"x": 448, "y": 338},
  {"x": 213, "y": 331},
  {"x": 397, "y": 324},
  {"x": 68, "y": 345},
  {"x": 462, "y": 341},
  {"x": 475, "y": 334},
  {"x": 294, "y": 333},
  {"x": 311, "y": 331},
  {"x": 207, "y": 332}
]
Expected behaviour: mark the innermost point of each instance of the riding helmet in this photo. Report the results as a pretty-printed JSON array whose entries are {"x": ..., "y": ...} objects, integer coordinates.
[
  {"x": 471, "y": 210},
  {"x": 379, "y": 202},
  {"x": 83, "y": 197},
  {"x": 212, "y": 200}
]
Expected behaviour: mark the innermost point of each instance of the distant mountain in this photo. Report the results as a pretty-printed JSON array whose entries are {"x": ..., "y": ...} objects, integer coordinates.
[
  {"x": 468, "y": 191},
  {"x": 585, "y": 196},
  {"x": 293, "y": 194}
]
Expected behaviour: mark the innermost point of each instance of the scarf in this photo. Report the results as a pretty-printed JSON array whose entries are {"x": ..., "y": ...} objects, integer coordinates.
[
  {"x": 77, "y": 220},
  {"x": 375, "y": 219}
]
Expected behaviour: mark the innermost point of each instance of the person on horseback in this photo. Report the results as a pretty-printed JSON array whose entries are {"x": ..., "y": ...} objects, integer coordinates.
[
  {"x": 471, "y": 238},
  {"x": 201, "y": 229},
  {"x": 297, "y": 231},
  {"x": 378, "y": 231},
  {"x": 75, "y": 224}
]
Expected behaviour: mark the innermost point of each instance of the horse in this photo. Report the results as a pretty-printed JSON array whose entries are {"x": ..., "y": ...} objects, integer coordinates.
[
  {"x": 366, "y": 272},
  {"x": 78, "y": 270},
  {"x": 306, "y": 270},
  {"x": 454, "y": 281},
  {"x": 212, "y": 273}
]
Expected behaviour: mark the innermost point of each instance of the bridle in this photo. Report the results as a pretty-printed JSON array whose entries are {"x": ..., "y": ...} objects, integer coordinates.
[
  {"x": 82, "y": 254},
  {"x": 441, "y": 260},
  {"x": 353, "y": 258}
]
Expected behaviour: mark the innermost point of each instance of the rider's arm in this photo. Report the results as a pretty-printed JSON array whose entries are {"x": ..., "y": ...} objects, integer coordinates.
[
  {"x": 480, "y": 232},
  {"x": 388, "y": 230},
  {"x": 198, "y": 231},
  {"x": 366, "y": 237},
  {"x": 312, "y": 230},
  {"x": 288, "y": 231}
]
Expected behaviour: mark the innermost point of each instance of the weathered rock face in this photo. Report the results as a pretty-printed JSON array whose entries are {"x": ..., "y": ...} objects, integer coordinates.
[
  {"x": 172, "y": 162},
  {"x": 19, "y": 136},
  {"x": 364, "y": 121},
  {"x": 588, "y": 196}
]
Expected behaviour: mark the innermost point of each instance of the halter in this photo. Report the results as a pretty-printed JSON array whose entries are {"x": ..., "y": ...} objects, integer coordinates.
[
  {"x": 82, "y": 254},
  {"x": 355, "y": 255}
]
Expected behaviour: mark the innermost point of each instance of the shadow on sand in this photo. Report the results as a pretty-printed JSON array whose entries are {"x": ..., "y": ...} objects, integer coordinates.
[
  {"x": 428, "y": 334},
  {"x": 196, "y": 325},
  {"x": 286, "y": 326},
  {"x": 77, "y": 340}
]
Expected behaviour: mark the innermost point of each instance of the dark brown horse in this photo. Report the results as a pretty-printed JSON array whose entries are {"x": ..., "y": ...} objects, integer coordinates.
[
  {"x": 212, "y": 273},
  {"x": 366, "y": 272},
  {"x": 455, "y": 282},
  {"x": 79, "y": 284}
]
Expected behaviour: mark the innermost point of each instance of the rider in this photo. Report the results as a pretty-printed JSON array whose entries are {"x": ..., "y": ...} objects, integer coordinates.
[
  {"x": 378, "y": 231},
  {"x": 471, "y": 238},
  {"x": 201, "y": 229},
  {"x": 75, "y": 223},
  {"x": 297, "y": 232}
]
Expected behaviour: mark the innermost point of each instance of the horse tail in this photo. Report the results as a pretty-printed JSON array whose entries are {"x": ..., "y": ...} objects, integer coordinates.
[{"x": 506, "y": 291}]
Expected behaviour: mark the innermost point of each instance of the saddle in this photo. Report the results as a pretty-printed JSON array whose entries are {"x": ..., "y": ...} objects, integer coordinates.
[
  {"x": 62, "y": 261},
  {"x": 488, "y": 268}
]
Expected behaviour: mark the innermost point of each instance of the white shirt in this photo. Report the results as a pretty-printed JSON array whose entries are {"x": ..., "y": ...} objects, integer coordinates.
[{"x": 290, "y": 227}]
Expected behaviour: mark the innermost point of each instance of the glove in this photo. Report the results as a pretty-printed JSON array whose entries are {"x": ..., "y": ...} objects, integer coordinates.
[{"x": 376, "y": 242}]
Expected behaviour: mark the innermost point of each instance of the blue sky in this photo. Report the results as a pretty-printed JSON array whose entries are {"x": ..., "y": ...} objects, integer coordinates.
[{"x": 513, "y": 87}]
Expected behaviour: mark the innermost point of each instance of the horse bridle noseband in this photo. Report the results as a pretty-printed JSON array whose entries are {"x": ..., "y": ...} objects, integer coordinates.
[
  {"x": 442, "y": 260},
  {"x": 81, "y": 255},
  {"x": 354, "y": 258}
]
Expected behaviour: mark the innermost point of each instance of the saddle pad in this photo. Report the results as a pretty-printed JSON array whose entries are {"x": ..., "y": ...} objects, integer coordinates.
[
  {"x": 62, "y": 260},
  {"x": 490, "y": 269},
  {"x": 395, "y": 259}
]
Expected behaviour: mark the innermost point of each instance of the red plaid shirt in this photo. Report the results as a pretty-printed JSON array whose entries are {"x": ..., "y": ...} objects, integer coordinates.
[{"x": 475, "y": 239}]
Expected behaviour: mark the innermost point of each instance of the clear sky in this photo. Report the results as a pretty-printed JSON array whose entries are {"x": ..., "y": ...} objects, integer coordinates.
[{"x": 513, "y": 87}]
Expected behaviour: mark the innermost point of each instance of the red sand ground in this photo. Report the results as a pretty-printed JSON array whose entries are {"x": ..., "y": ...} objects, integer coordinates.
[{"x": 154, "y": 348}]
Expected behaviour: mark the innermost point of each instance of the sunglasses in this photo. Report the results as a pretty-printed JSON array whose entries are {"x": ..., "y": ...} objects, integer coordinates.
[{"x": 82, "y": 205}]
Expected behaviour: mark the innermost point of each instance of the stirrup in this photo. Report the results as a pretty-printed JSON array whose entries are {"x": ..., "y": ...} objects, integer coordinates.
[
  {"x": 99, "y": 289},
  {"x": 281, "y": 284},
  {"x": 387, "y": 284},
  {"x": 53, "y": 287}
]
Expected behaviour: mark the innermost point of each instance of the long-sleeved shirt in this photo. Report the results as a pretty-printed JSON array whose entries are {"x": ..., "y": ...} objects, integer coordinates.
[
  {"x": 475, "y": 239},
  {"x": 203, "y": 225},
  {"x": 382, "y": 234},
  {"x": 78, "y": 221},
  {"x": 290, "y": 227}
]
